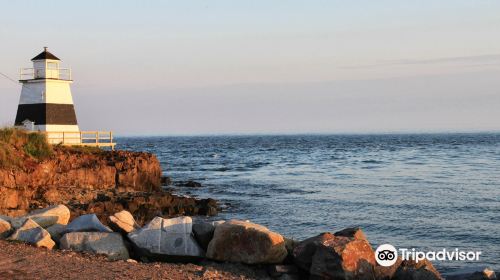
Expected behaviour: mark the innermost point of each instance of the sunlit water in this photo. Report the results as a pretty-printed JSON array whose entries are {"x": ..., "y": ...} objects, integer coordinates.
[{"x": 428, "y": 191}]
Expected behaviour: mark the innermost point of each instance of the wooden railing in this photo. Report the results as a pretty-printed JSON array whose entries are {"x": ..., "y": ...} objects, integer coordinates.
[
  {"x": 45, "y": 73},
  {"x": 81, "y": 138}
]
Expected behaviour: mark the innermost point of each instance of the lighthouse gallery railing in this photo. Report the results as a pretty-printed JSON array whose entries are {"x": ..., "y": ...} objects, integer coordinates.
[{"x": 45, "y": 73}]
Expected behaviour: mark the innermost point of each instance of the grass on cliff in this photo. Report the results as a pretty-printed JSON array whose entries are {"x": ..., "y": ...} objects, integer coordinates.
[
  {"x": 14, "y": 142},
  {"x": 89, "y": 150}
]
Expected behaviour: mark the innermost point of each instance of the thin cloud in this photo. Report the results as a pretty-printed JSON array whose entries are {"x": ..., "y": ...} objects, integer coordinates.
[{"x": 473, "y": 60}]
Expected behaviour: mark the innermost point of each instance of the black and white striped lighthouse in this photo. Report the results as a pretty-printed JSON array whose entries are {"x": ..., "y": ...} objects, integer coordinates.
[{"x": 46, "y": 103}]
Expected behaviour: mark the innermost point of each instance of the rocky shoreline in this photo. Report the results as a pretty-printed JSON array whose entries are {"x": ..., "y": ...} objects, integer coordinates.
[
  {"x": 112, "y": 204},
  {"x": 346, "y": 254}
]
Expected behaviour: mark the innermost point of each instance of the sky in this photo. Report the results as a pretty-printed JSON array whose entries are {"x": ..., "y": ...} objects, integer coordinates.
[{"x": 190, "y": 67}]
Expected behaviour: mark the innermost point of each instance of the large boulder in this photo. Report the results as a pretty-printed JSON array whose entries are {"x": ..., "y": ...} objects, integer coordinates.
[
  {"x": 86, "y": 223},
  {"x": 5, "y": 228},
  {"x": 305, "y": 250},
  {"x": 203, "y": 233},
  {"x": 123, "y": 222},
  {"x": 46, "y": 217},
  {"x": 354, "y": 232},
  {"x": 56, "y": 232},
  {"x": 103, "y": 243},
  {"x": 167, "y": 239},
  {"x": 412, "y": 270},
  {"x": 343, "y": 258},
  {"x": 60, "y": 212},
  {"x": 347, "y": 255},
  {"x": 30, "y": 232},
  {"x": 239, "y": 241},
  {"x": 387, "y": 272}
]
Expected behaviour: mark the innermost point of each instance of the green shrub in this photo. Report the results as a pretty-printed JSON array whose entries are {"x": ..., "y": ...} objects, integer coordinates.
[
  {"x": 5, "y": 134},
  {"x": 37, "y": 146},
  {"x": 13, "y": 142}
]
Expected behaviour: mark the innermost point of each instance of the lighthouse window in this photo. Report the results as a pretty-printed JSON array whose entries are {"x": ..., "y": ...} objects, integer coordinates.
[{"x": 51, "y": 65}]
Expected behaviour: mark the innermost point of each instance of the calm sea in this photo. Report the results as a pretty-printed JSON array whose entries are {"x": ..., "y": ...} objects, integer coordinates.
[{"x": 425, "y": 191}]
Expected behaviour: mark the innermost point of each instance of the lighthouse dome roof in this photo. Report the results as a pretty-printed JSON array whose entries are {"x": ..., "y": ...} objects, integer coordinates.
[{"x": 45, "y": 55}]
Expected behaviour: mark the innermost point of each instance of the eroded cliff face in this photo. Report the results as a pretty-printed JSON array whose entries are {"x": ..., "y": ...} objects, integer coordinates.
[
  {"x": 101, "y": 170},
  {"x": 69, "y": 171},
  {"x": 100, "y": 182}
]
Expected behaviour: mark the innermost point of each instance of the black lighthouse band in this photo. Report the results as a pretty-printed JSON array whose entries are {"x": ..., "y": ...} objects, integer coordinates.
[{"x": 46, "y": 114}]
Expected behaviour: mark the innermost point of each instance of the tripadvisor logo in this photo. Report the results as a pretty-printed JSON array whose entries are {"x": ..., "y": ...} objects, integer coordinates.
[{"x": 387, "y": 255}]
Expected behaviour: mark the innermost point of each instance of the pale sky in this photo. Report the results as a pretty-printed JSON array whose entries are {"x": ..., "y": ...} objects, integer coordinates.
[{"x": 222, "y": 67}]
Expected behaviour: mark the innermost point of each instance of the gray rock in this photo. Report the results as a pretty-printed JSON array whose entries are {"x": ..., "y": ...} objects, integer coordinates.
[
  {"x": 60, "y": 212},
  {"x": 87, "y": 223},
  {"x": 103, "y": 243},
  {"x": 166, "y": 181},
  {"x": 203, "y": 233},
  {"x": 5, "y": 228},
  {"x": 474, "y": 273},
  {"x": 123, "y": 222},
  {"x": 30, "y": 232},
  {"x": 56, "y": 214},
  {"x": 167, "y": 239},
  {"x": 56, "y": 232}
]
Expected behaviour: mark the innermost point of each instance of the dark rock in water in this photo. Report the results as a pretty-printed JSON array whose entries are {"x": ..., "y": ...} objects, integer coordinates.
[
  {"x": 86, "y": 223},
  {"x": 166, "y": 181},
  {"x": 189, "y": 184},
  {"x": 411, "y": 270},
  {"x": 304, "y": 251},
  {"x": 203, "y": 233},
  {"x": 472, "y": 274}
]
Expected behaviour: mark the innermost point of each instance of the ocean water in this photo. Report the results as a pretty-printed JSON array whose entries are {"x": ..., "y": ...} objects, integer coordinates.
[{"x": 423, "y": 191}]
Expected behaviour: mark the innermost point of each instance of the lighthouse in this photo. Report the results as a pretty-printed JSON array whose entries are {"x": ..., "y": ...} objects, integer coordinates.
[{"x": 46, "y": 103}]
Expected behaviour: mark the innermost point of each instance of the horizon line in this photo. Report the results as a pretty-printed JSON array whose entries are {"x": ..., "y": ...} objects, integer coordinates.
[{"x": 308, "y": 133}]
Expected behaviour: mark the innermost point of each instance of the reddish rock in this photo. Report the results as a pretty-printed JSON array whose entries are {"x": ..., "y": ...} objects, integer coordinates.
[
  {"x": 343, "y": 258},
  {"x": 411, "y": 270},
  {"x": 305, "y": 250},
  {"x": 245, "y": 242},
  {"x": 355, "y": 233},
  {"x": 344, "y": 255},
  {"x": 387, "y": 272}
]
